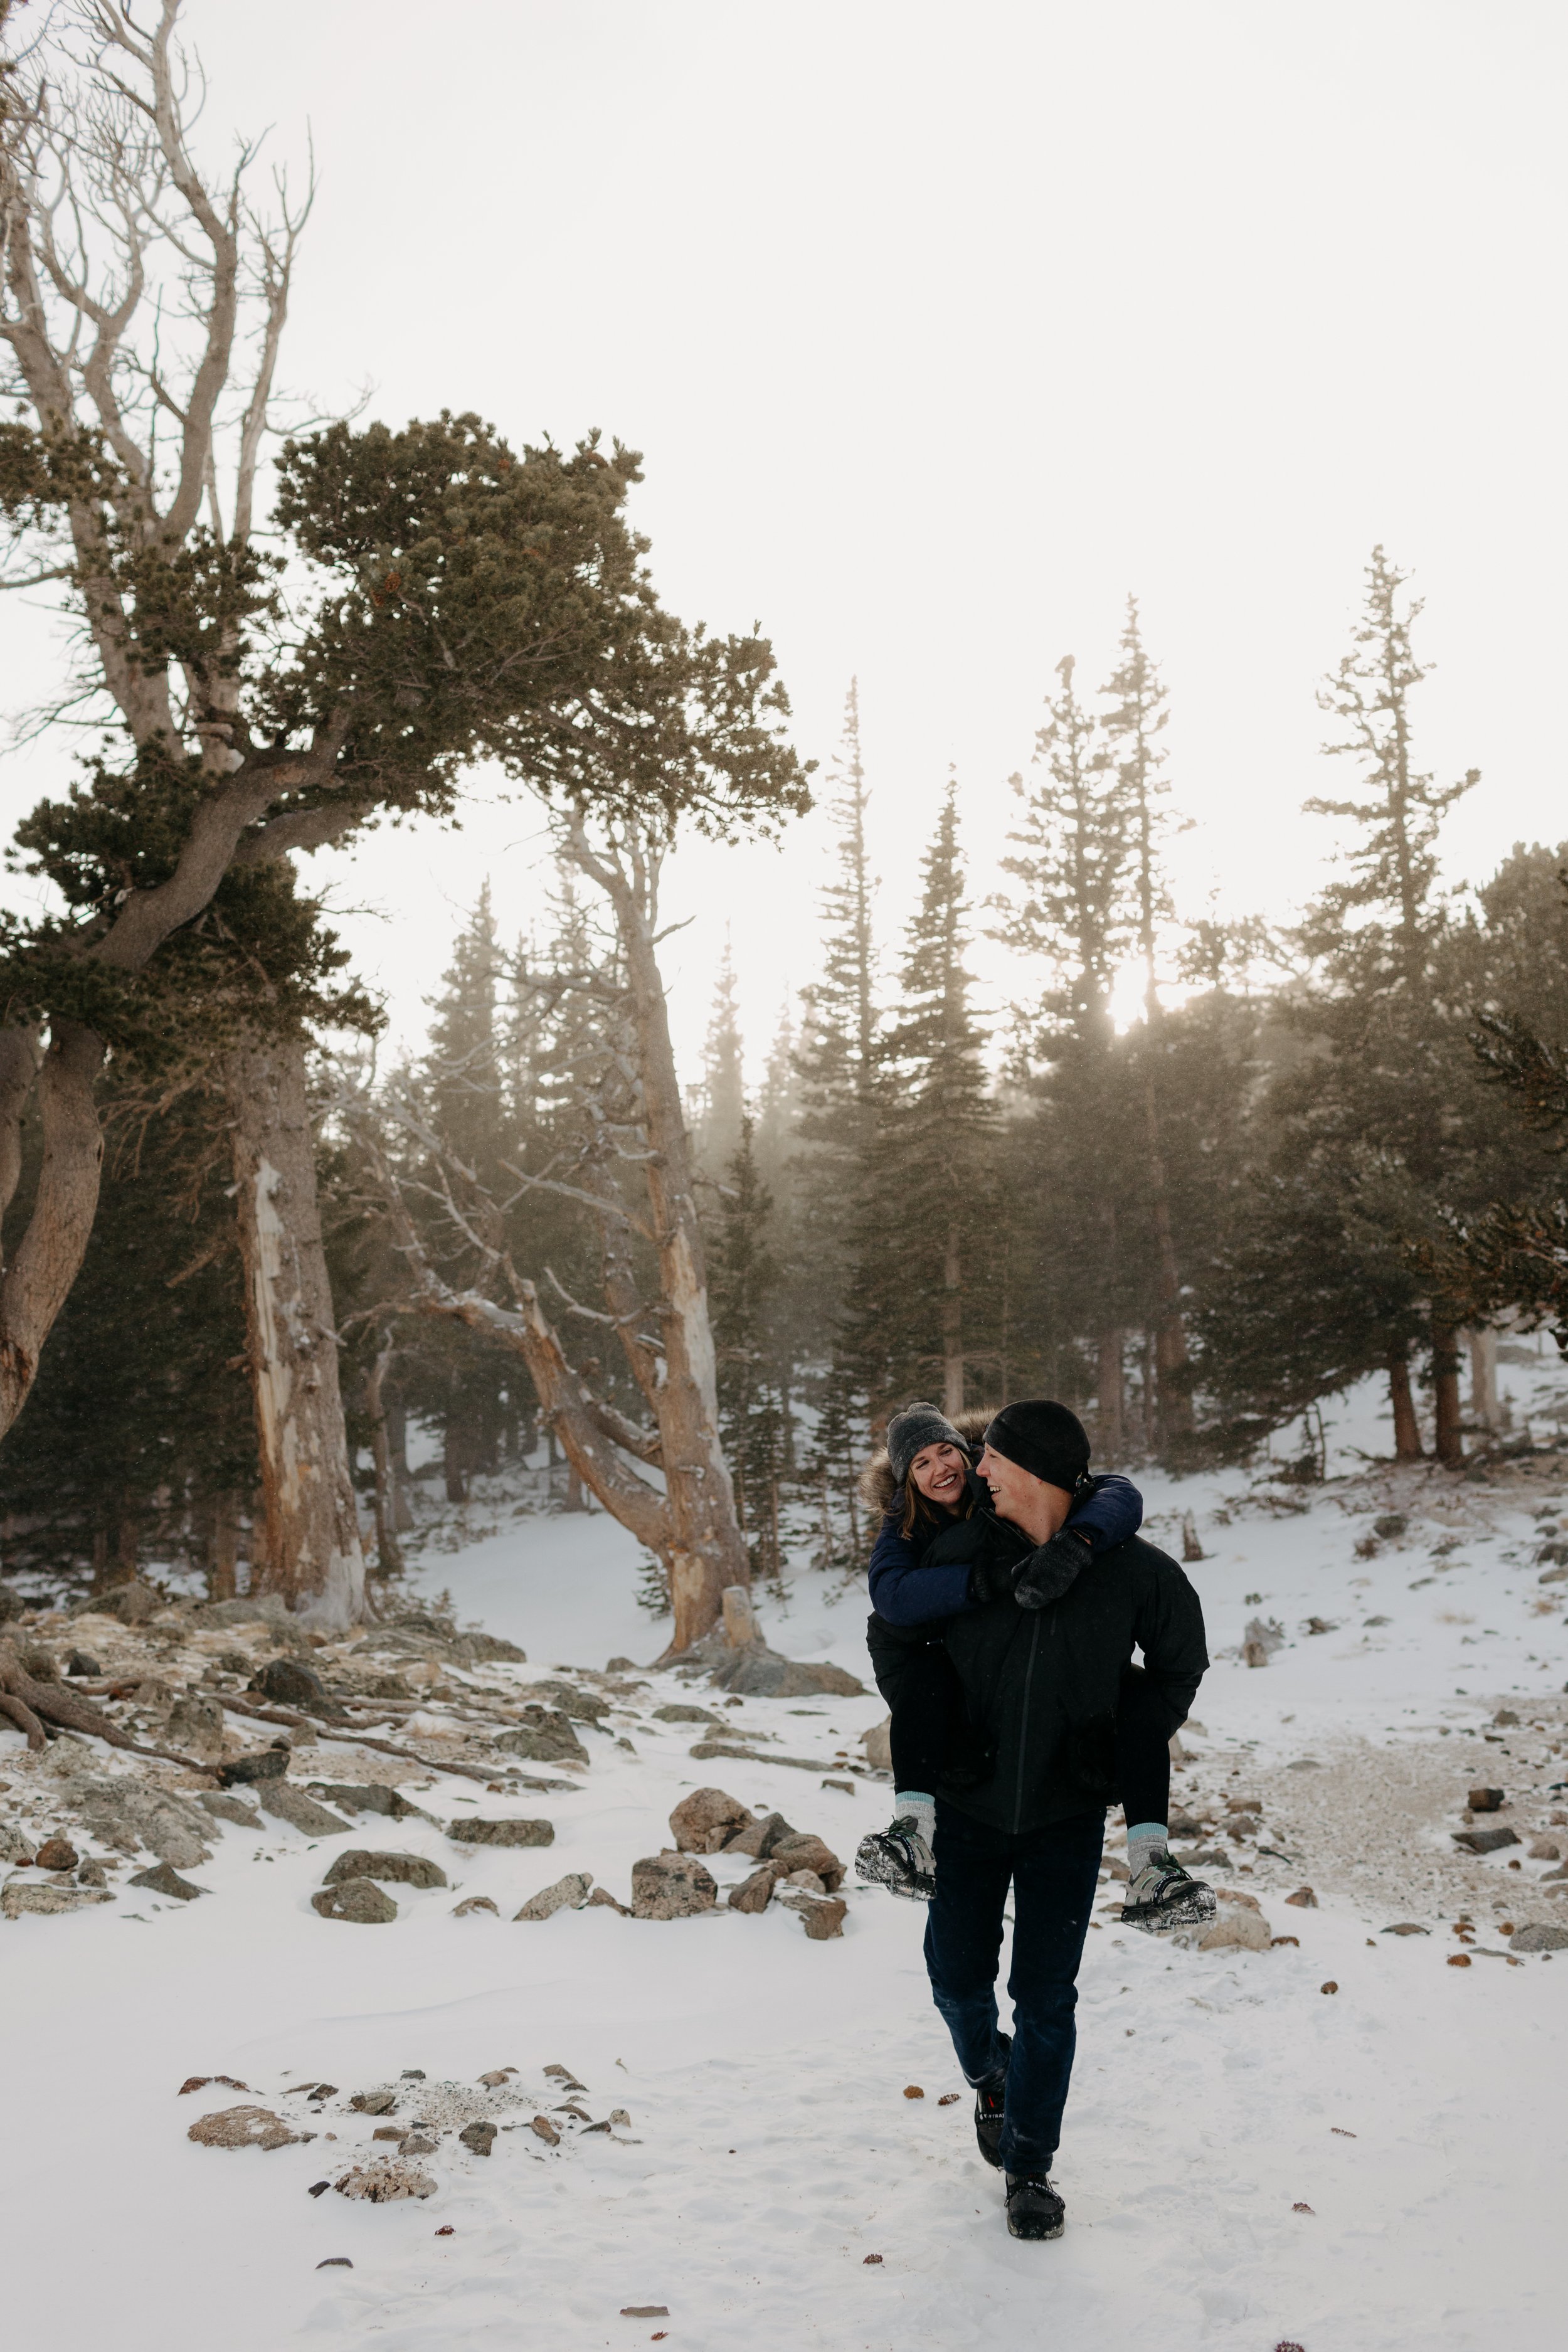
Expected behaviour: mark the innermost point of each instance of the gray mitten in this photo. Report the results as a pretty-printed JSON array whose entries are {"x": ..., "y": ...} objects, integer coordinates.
[{"x": 1047, "y": 1572}]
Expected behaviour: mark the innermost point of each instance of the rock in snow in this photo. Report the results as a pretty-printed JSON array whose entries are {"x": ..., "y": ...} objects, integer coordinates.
[
  {"x": 397, "y": 1869},
  {"x": 508, "y": 1833},
  {"x": 360, "y": 1900},
  {"x": 243, "y": 2128},
  {"x": 385, "y": 2181},
  {"x": 671, "y": 1886},
  {"x": 571, "y": 1889}
]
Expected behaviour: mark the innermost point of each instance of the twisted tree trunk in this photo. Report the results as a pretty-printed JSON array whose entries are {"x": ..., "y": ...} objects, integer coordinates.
[{"x": 313, "y": 1557}]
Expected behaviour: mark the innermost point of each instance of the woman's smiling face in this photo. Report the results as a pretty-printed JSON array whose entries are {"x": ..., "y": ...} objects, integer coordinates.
[{"x": 938, "y": 1473}]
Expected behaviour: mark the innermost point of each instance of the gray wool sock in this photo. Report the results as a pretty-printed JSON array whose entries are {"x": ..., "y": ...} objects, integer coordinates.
[
  {"x": 923, "y": 1808},
  {"x": 1144, "y": 1841}
]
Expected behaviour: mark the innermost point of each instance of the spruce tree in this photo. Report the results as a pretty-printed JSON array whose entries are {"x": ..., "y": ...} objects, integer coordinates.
[
  {"x": 724, "y": 1063},
  {"x": 919, "y": 1292},
  {"x": 743, "y": 1281},
  {"x": 1136, "y": 721}
]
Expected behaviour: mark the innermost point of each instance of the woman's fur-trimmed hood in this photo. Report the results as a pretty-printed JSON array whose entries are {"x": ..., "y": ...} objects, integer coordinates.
[{"x": 880, "y": 1492}]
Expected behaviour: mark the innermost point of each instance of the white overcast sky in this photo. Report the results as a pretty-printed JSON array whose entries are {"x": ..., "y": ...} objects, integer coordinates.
[{"x": 942, "y": 328}]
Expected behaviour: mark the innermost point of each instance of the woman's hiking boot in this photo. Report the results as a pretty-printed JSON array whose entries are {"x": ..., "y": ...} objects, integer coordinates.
[
  {"x": 1164, "y": 1896},
  {"x": 899, "y": 1859},
  {"x": 1033, "y": 2209},
  {"x": 990, "y": 2106}
]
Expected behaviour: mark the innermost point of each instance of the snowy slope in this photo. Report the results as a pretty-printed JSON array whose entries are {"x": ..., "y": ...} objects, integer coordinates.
[{"x": 770, "y": 2148}]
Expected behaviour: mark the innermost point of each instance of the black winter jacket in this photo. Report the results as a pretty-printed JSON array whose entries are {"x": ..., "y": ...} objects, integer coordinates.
[{"x": 1040, "y": 1686}]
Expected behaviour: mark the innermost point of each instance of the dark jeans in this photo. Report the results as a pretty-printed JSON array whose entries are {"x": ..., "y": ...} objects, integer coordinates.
[
  {"x": 1142, "y": 1749},
  {"x": 1053, "y": 1874},
  {"x": 925, "y": 1706}
]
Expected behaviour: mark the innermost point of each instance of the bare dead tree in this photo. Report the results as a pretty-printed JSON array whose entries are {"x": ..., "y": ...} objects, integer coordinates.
[{"x": 632, "y": 1174}]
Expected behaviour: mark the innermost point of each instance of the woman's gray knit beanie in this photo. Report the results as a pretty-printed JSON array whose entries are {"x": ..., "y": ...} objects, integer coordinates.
[{"x": 911, "y": 1431}]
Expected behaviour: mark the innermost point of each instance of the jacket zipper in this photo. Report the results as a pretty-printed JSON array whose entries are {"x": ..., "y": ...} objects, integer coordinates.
[{"x": 1024, "y": 1725}]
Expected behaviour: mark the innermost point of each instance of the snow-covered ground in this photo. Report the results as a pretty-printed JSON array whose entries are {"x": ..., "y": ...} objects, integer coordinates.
[{"x": 1250, "y": 2160}]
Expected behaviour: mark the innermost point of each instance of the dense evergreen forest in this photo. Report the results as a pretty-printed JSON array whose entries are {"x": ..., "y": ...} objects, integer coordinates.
[{"x": 1316, "y": 1154}]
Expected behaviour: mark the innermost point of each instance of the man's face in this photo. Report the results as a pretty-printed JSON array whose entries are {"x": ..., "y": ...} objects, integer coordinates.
[{"x": 1027, "y": 1501}]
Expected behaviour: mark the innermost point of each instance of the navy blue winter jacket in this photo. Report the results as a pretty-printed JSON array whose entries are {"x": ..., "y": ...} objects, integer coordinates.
[{"x": 905, "y": 1593}]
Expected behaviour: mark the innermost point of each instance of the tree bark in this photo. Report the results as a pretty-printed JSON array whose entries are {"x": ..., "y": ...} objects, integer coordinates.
[
  {"x": 313, "y": 1557},
  {"x": 706, "y": 1551},
  {"x": 1109, "y": 1418},
  {"x": 951, "y": 1327},
  {"x": 1175, "y": 1404},
  {"x": 1448, "y": 1445},
  {"x": 1484, "y": 1407},
  {"x": 222, "y": 1546},
  {"x": 388, "y": 1550},
  {"x": 1407, "y": 1445}
]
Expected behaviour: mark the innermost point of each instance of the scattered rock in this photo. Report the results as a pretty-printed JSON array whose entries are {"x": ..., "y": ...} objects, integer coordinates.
[
  {"x": 1322, "y": 1625},
  {"x": 510, "y": 1833},
  {"x": 57, "y": 1853},
  {"x": 373, "y": 2103},
  {"x": 385, "y": 2181},
  {"x": 1182, "y": 1824},
  {"x": 243, "y": 2128},
  {"x": 80, "y": 1662},
  {"x": 14, "y": 1846},
  {"x": 197, "y": 1726},
  {"x": 92, "y": 1873},
  {"x": 1332, "y": 1986},
  {"x": 644, "y": 2311},
  {"x": 545, "y": 2129},
  {"x": 759, "y": 1838},
  {"x": 1485, "y": 1841},
  {"x": 620, "y": 1665},
  {"x": 584, "y": 1706},
  {"x": 913, "y": 2091},
  {"x": 807, "y": 1880},
  {"x": 472, "y": 1902},
  {"x": 1237, "y": 1923},
  {"x": 821, "y": 1916},
  {"x": 801, "y": 1850},
  {"x": 289, "y": 1682},
  {"x": 1486, "y": 1800},
  {"x": 1405, "y": 1927},
  {"x": 707, "y": 1821},
  {"x": 133, "y": 1603},
  {"x": 164, "y": 1879},
  {"x": 200, "y": 2081},
  {"x": 545, "y": 1736},
  {"x": 258, "y": 1764},
  {"x": 397, "y": 1869},
  {"x": 671, "y": 1886},
  {"x": 224, "y": 1808},
  {"x": 288, "y": 1804},
  {"x": 753, "y": 1893},
  {"x": 602, "y": 1898},
  {"x": 360, "y": 1900},
  {"x": 1260, "y": 1641},
  {"x": 757, "y": 1672},
  {"x": 1540, "y": 1936},
  {"x": 679, "y": 1714},
  {"x": 1303, "y": 1899},
  {"x": 363, "y": 1797},
  {"x": 572, "y": 1889},
  {"x": 480, "y": 2137},
  {"x": 1544, "y": 1848},
  {"x": 20, "y": 1898},
  {"x": 132, "y": 1815},
  {"x": 879, "y": 1745},
  {"x": 1389, "y": 1526}
]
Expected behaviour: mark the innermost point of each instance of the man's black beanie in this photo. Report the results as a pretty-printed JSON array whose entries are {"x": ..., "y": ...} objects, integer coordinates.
[{"x": 1046, "y": 1440}]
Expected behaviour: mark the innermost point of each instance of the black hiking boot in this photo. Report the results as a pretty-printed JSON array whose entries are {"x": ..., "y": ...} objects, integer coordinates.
[
  {"x": 1033, "y": 2209},
  {"x": 989, "y": 2098},
  {"x": 899, "y": 1859},
  {"x": 1163, "y": 1895}
]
